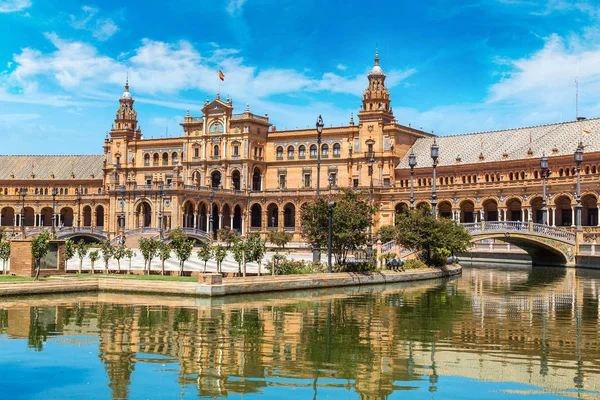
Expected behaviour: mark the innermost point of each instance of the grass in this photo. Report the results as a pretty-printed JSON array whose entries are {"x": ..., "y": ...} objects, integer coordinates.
[
  {"x": 10, "y": 278},
  {"x": 138, "y": 277}
]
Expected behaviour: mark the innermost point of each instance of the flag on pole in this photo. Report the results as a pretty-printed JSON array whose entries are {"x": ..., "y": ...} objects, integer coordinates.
[{"x": 221, "y": 75}]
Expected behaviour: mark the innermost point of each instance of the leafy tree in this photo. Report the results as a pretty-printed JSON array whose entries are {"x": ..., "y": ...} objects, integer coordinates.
[
  {"x": 205, "y": 253},
  {"x": 107, "y": 254},
  {"x": 256, "y": 249},
  {"x": 434, "y": 239},
  {"x": 129, "y": 253},
  {"x": 118, "y": 254},
  {"x": 81, "y": 248},
  {"x": 177, "y": 236},
  {"x": 69, "y": 251},
  {"x": 94, "y": 256},
  {"x": 239, "y": 250},
  {"x": 164, "y": 253},
  {"x": 148, "y": 247},
  {"x": 183, "y": 251},
  {"x": 350, "y": 220},
  {"x": 387, "y": 233},
  {"x": 219, "y": 252},
  {"x": 39, "y": 248},
  {"x": 226, "y": 236},
  {"x": 279, "y": 238},
  {"x": 4, "y": 253}
]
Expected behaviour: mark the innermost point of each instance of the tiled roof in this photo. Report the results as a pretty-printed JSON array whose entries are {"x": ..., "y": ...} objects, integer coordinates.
[
  {"x": 44, "y": 166},
  {"x": 516, "y": 143}
]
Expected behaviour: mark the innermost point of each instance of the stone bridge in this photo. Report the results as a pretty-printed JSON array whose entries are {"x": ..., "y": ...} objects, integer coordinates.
[{"x": 545, "y": 244}]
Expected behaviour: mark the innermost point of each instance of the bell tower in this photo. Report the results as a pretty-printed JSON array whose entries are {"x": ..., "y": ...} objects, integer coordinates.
[
  {"x": 376, "y": 98},
  {"x": 126, "y": 117}
]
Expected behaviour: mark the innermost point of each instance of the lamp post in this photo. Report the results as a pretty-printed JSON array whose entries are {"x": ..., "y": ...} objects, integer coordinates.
[
  {"x": 435, "y": 150},
  {"x": 79, "y": 208},
  {"x": 210, "y": 215},
  {"x": 412, "y": 163},
  {"x": 544, "y": 167},
  {"x": 370, "y": 239},
  {"x": 161, "y": 195},
  {"x": 319, "y": 125},
  {"x": 23, "y": 193},
  {"x": 329, "y": 233},
  {"x": 578, "y": 207},
  {"x": 54, "y": 193},
  {"x": 122, "y": 219}
]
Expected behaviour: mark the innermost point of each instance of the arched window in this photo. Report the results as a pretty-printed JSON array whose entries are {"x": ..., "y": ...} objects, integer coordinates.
[
  {"x": 336, "y": 149},
  {"x": 216, "y": 150},
  {"x": 147, "y": 159},
  {"x": 522, "y": 175},
  {"x": 535, "y": 174},
  {"x": 510, "y": 176},
  {"x": 165, "y": 158},
  {"x": 325, "y": 150},
  {"x": 487, "y": 178},
  {"x": 464, "y": 179},
  {"x": 593, "y": 169},
  {"x": 561, "y": 172},
  {"x": 469, "y": 179},
  {"x": 290, "y": 151},
  {"x": 279, "y": 152},
  {"x": 155, "y": 158},
  {"x": 313, "y": 151},
  {"x": 301, "y": 152},
  {"x": 174, "y": 158}
]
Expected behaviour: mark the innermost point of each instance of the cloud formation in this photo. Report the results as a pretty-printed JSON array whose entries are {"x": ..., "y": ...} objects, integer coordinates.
[
  {"x": 9, "y": 6},
  {"x": 101, "y": 28}
]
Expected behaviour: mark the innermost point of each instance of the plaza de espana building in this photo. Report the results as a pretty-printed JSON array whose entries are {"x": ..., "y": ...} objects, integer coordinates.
[{"x": 253, "y": 177}]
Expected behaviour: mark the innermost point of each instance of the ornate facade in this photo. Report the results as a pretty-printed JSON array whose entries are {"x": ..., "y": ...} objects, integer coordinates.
[{"x": 237, "y": 170}]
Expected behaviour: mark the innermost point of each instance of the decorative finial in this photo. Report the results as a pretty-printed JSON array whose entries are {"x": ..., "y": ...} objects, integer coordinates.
[
  {"x": 187, "y": 113},
  {"x": 351, "y": 117},
  {"x": 377, "y": 54},
  {"x": 228, "y": 99},
  {"x": 127, "y": 82},
  {"x": 218, "y": 95},
  {"x": 247, "y": 107}
]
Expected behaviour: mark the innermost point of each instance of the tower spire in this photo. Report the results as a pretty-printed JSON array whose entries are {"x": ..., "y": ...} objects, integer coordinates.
[
  {"x": 377, "y": 54},
  {"x": 127, "y": 82}
]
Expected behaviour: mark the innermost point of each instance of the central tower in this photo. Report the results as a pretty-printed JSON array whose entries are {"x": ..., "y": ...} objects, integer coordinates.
[{"x": 376, "y": 98}]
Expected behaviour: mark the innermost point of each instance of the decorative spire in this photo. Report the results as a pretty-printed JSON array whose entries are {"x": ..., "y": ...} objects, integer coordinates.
[
  {"x": 377, "y": 54},
  {"x": 247, "y": 107},
  {"x": 187, "y": 113},
  {"x": 127, "y": 82},
  {"x": 351, "y": 118}
]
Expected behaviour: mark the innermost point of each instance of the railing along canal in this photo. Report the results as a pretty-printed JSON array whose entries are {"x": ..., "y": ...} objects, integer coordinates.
[{"x": 520, "y": 227}]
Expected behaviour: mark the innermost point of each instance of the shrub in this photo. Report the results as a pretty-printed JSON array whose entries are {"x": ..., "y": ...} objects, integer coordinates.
[
  {"x": 360, "y": 266},
  {"x": 414, "y": 264},
  {"x": 284, "y": 266}
]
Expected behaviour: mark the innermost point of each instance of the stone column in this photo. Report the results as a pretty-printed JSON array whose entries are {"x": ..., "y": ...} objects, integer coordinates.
[
  {"x": 220, "y": 221},
  {"x": 598, "y": 217},
  {"x": 195, "y": 226},
  {"x": 231, "y": 219},
  {"x": 265, "y": 220},
  {"x": 553, "y": 209},
  {"x": 242, "y": 221},
  {"x": 280, "y": 222},
  {"x": 207, "y": 221},
  {"x": 572, "y": 216}
]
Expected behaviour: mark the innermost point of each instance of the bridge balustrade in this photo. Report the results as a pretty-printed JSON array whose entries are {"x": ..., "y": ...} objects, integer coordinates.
[{"x": 520, "y": 227}]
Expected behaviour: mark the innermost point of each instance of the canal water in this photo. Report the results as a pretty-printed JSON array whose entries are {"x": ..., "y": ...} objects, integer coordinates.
[{"x": 492, "y": 333}]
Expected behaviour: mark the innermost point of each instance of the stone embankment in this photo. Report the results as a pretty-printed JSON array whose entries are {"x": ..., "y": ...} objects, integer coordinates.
[{"x": 213, "y": 285}]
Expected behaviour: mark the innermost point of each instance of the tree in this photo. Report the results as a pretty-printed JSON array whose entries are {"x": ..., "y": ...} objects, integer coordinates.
[
  {"x": 69, "y": 251},
  {"x": 39, "y": 248},
  {"x": 148, "y": 247},
  {"x": 256, "y": 249},
  {"x": 279, "y": 238},
  {"x": 94, "y": 256},
  {"x": 434, "y": 239},
  {"x": 205, "y": 253},
  {"x": 350, "y": 220},
  {"x": 107, "y": 254},
  {"x": 4, "y": 253},
  {"x": 219, "y": 252},
  {"x": 164, "y": 253},
  {"x": 239, "y": 249},
  {"x": 226, "y": 236},
  {"x": 183, "y": 251},
  {"x": 129, "y": 253},
  {"x": 81, "y": 248},
  {"x": 387, "y": 233},
  {"x": 118, "y": 254}
]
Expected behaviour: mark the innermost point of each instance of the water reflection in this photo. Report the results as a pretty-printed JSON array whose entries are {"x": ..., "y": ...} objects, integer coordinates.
[{"x": 532, "y": 330}]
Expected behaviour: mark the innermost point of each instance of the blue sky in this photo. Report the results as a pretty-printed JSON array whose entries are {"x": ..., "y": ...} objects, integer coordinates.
[{"x": 452, "y": 66}]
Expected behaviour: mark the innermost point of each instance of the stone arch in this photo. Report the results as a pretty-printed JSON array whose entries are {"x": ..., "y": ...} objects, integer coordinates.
[
  {"x": 543, "y": 252},
  {"x": 535, "y": 202},
  {"x": 29, "y": 215},
  {"x": 237, "y": 218},
  {"x": 87, "y": 215},
  {"x": 272, "y": 215},
  {"x": 203, "y": 216},
  {"x": 490, "y": 209},
  {"x": 143, "y": 214},
  {"x": 66, "y": 216},
  {"x": 445, "y": 209},
  {"x": 215, "y": 179},
  {"x": 7, "y": 216},
  {"x": 196, "y": 178},
  {"x": 289, "y": 216},
  {"x": 257, "y": 179},
  {"x": 401, "y": 208},
  {"x": 514, "y": 209},
  {"x": 467, "y": 211},
  {"x": 589, "y": 211},
  {"x": 100, "y": 216},
  {"x": 226, "y": 214},
  {"x": 187, "y": 208},
  {"x": 422, "y": 203},
  {"x": 564, "y": 215},
  {"x": 46, "y": 216},
  {"x": 165, "y": 158},
  {"x": 236, "y": 180},
  {"x": 256, "y": 216}
]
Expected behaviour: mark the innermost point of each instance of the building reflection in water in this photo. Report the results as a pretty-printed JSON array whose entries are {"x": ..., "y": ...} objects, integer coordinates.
[{"x": 537, "y": 327}]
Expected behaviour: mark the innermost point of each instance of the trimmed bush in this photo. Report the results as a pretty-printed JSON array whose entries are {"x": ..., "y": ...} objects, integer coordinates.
[{"x": 414, "y": 264}]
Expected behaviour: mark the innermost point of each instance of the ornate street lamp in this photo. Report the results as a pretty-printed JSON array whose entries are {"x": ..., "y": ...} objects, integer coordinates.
[
  {"x": 435, "y": 151},
  {"x": 544, "y": 167},
  {"x": 371, "y": 155},
  {"x": 319, "y": 125},
  {"x": 329, "y": 233},
  {"x": 161, "y": 195},
  {"x": 54, "y": 193},
  {"x": 23, "y": 193},
  {"x": 210, "y": 215},
  {"x": 412, "y": 163},
  {"x": 578, "y": 207},
  {"x": 79, "y": 208},
  {"x": 122, "y": 218}
]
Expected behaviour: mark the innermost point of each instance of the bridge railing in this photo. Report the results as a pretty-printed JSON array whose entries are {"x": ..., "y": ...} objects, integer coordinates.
[
  {"x": 522, "y": 227},
  {"x": 388, "y": 247},
  {"x": 195, "y": 232},
  {"x": 140, "y": 231}
]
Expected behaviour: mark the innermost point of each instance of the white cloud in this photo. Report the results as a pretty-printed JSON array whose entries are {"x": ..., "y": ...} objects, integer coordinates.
[
  {"x": 101, "y": 28},
  {"x": 234, "y": 7},
  {"x": 341, "y": 67},
  {"x": 9, "y": 6}
]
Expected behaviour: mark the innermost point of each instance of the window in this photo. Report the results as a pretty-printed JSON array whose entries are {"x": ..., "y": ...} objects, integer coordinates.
[
  {"x": 370, "y": 148},
  {"x": 174, "y": 158},
  {"x": 216, "y": 151},
  {"x": 337, "y": 149},
  {"x": 147, "y": 159},
  {"x": 386, "y": 182},
  {"x": 290, "y": 153},
  {"x": 325, "y": 151},
  {"x": 236, "y": 150},
  {"x": 301, "y": 152},
  {"x": 355, "y": 183},
  {"x": 313, "y": 151},
  {"x": 307, "y": 180},
  {"x": 282, "y": 181},
  {"x": 196, "y": 152},
  {"x": 148, "y": 181},
  {"x": 332, "y": 179},
  {"x": 280, "y": 153},
  {"x": 217, "y": 127},
  {"x": 165, "y": 158}
]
